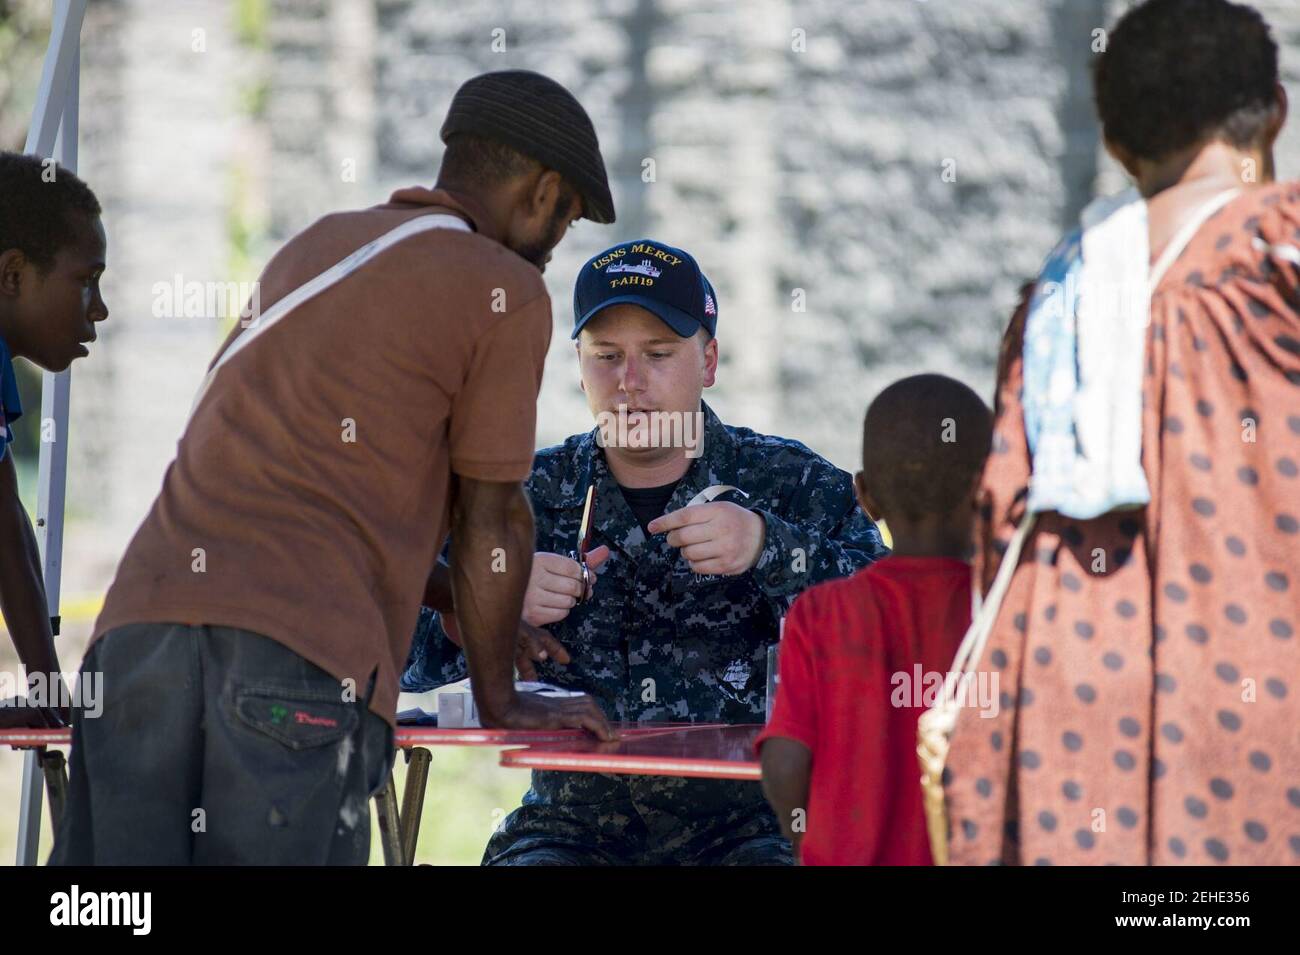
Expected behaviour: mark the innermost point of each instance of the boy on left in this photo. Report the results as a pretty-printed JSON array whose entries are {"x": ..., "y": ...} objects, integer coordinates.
[{"x": 52, "y": 255}]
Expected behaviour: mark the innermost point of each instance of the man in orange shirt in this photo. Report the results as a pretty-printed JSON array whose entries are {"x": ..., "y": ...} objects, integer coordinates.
[{"x": 251, "y": 641}]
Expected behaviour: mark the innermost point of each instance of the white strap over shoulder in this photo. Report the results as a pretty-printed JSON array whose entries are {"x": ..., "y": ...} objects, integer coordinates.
[
  {"x": 935, "y": 726},
  {"x": 971, "y": 649},
  {"x": 335, "y": 273},
  {"x": 1185, "y": 235}
]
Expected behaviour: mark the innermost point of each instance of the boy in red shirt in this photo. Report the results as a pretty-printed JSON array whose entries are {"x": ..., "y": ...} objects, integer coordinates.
[{"x": 862, "y": 657}]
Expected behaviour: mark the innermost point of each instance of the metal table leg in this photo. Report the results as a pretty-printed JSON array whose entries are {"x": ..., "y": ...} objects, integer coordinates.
[
  {"x": 55, "y": 767},
  {"x": 417, "y": 777},
  {"x": 389, "y": 823},
  {"x": 29, "y": 812}
]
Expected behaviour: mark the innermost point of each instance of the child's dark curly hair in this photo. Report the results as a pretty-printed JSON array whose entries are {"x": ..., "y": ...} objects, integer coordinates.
[{"x": 37, "y": 202}]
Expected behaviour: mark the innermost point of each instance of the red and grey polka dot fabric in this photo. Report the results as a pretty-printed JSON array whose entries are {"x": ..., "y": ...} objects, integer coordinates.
[{"x": 1149, "y": 661}]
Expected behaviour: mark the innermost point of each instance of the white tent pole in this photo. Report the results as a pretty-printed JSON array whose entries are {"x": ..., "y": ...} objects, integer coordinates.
[
  {"x": 62, "y": 54},
  {"x": 53, "y": 462},
  {"x": 53, "y": 132}
]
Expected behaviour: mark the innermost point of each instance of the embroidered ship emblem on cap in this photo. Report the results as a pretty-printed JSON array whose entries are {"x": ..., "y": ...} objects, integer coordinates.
[{"x": 644, "y": 268}]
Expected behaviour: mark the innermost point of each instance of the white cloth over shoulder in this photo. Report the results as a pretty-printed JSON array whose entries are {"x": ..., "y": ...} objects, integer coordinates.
[
  {"x": 1084, "y": 354},
  {"x": 1114, "y": 310}
]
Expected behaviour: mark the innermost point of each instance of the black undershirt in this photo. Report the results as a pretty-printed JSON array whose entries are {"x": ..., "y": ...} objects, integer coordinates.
[{"x": 647, "y": 503}]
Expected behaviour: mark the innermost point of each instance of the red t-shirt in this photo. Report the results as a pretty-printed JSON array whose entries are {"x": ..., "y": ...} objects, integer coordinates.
[{"x": 850, "y": 692}]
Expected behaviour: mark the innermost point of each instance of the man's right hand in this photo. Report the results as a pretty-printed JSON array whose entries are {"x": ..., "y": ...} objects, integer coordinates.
[
  {"x": 555, "y": 585},
  {"x": 531, "y": 711},
  {"x": 16, "y": 713}
]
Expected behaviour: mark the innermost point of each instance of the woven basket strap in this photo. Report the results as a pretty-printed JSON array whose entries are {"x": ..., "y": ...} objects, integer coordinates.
[{"x": 971, "y": 649}]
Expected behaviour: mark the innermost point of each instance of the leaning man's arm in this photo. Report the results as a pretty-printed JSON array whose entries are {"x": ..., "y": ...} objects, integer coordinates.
[{"x": 22, "y": 587}]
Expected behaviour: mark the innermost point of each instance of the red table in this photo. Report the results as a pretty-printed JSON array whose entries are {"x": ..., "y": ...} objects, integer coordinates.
[
  {"x": 706, "y": 750},
  {"x": 399, "y": 829},
  {"x": 409, "y": 736},
  {"x": 700, "y": 750},
  {"x": 405, "y": 737},
  {"x": 30, "y": 738}
]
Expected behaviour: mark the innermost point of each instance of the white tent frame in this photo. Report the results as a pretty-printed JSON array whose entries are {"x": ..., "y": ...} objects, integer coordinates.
[{"x": 53, "y": 133}]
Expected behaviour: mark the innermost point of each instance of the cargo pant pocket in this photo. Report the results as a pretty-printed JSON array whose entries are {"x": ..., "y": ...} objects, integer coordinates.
[{"x": 284, "y": 779}]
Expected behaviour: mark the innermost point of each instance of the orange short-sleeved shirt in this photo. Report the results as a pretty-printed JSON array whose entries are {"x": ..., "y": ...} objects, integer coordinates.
[{"x": 309, "y": 496}]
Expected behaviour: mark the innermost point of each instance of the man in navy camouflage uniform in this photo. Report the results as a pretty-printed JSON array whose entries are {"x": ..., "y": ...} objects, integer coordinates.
[{"x": 686, "y": 599}]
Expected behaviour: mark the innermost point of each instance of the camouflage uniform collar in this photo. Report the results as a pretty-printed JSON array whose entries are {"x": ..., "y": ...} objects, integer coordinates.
[
  {"x": 716, "y": 465},
  {"x": 613, "y": 520}
]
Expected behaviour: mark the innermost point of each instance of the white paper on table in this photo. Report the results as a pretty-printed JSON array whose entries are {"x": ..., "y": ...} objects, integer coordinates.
[{"x": 453, "y": 704}]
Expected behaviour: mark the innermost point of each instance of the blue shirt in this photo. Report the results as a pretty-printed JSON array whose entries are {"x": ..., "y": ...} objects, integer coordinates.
[{"x": 11, "y": 407}]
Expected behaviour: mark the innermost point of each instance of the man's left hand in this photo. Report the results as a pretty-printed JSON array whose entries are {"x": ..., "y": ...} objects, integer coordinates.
[{"x": 715, "y": 538}]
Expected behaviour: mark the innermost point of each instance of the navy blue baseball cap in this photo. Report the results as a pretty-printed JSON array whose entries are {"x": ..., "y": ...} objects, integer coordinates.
[{"x": 657, "y": 277}]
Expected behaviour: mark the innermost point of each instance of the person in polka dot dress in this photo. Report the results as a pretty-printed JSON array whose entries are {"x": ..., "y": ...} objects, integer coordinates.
[{"x": 1149, "y": 659}]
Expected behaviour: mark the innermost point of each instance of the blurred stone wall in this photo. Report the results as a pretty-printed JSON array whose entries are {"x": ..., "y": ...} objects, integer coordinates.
[
  {"x": 159, "y": 133},
  {"x": 934, "y": 151},
  {"x": 898, "y": 167},
  {"x": 799, "y": 152}
]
